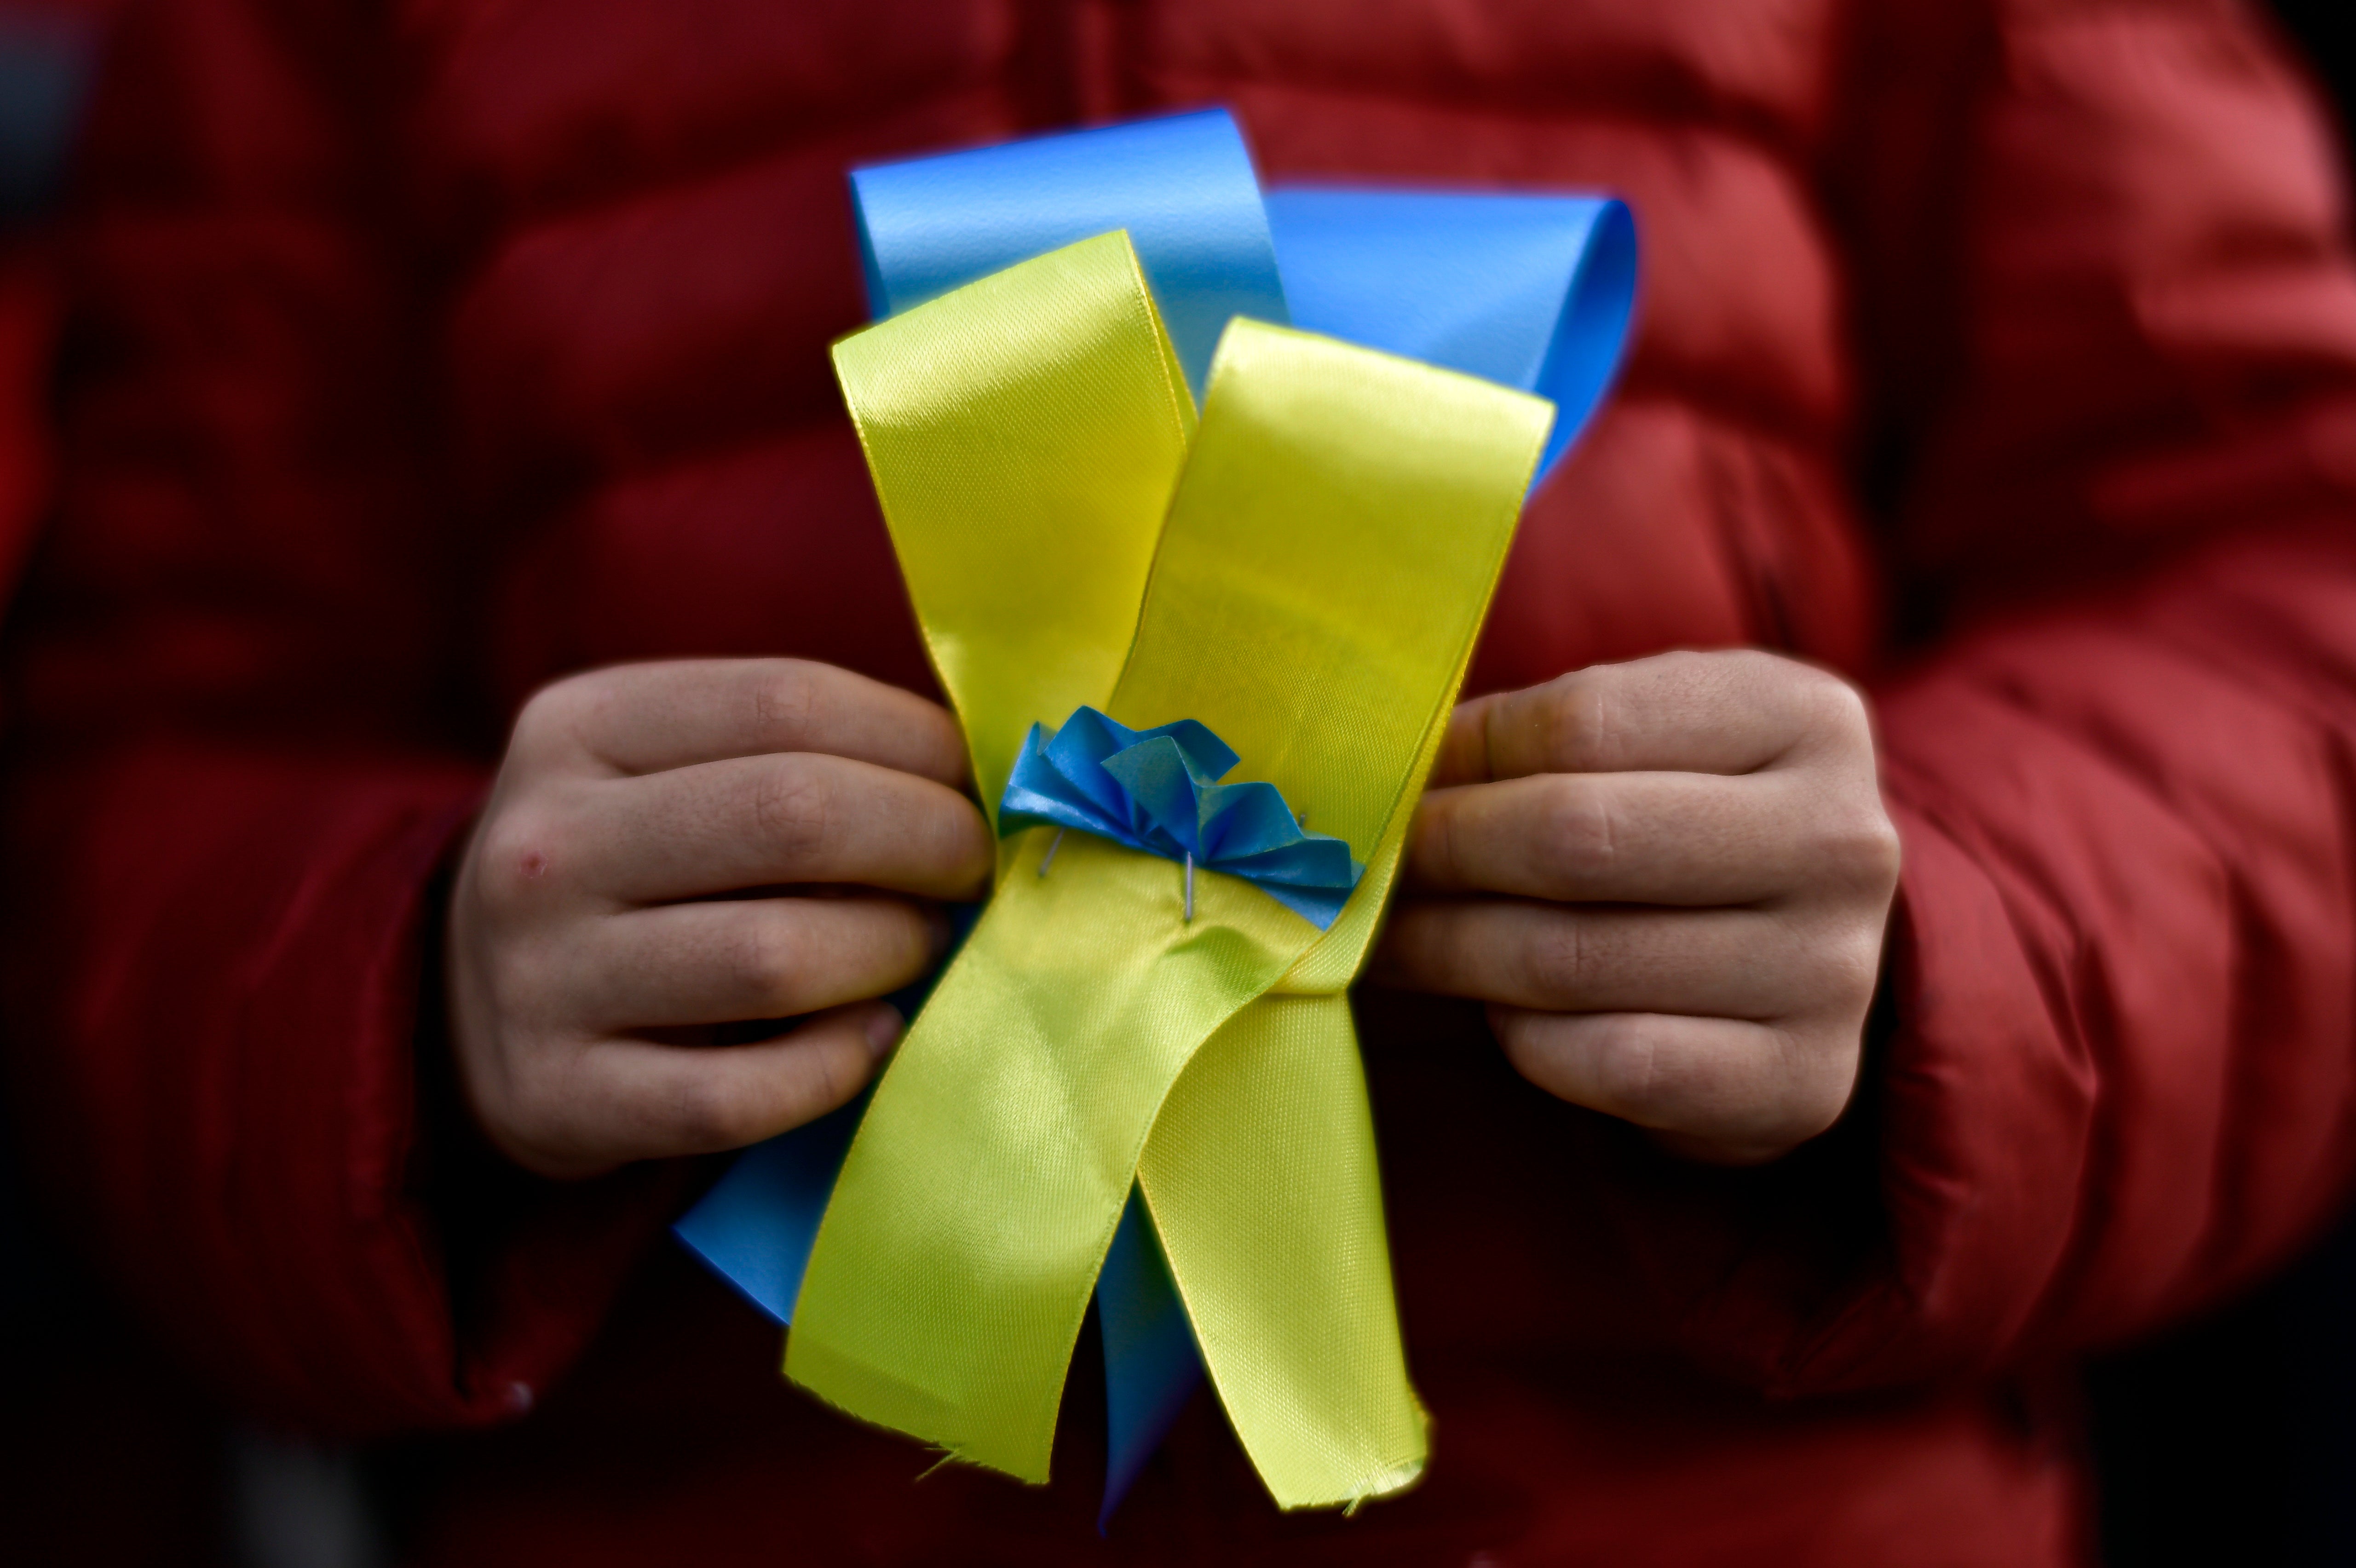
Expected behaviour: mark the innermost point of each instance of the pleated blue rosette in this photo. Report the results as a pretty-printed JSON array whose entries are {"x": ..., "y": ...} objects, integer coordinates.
[
  {"x": 1157, "y": 790},
  {"x": 1531, "y": 289}
]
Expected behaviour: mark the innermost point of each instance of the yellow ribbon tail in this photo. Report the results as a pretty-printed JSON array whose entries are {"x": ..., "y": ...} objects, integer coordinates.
[{"x": 1261, "y": 1178}]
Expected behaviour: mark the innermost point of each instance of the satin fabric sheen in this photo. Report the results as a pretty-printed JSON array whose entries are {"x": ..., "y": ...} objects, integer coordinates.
[
  {"x": 1328, "y": 552},
  {"x": 1181, "y": 185},
  {"x": 1394, "y": 270},
  {"x": 1531, "y": 291}
]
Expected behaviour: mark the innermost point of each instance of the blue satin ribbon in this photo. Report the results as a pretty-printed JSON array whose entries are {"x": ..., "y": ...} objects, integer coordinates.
[
  {"x": 1182, "y": 185},
  {"x": 1534, "y": 291}
]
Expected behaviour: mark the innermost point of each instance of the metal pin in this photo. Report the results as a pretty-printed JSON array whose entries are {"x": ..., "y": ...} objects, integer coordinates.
[
  {"x": 1190, "y": 887},
  {"x": 1049, "y": 857}
]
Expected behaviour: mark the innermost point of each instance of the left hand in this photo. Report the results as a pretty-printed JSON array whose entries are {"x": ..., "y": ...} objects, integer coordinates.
[{"x": 1669, "y": 879}]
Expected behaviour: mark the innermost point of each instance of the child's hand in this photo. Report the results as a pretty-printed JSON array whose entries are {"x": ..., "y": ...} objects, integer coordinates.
[
  {"x": 590, "y": 919},
  {"x": 1669, "y": 881}
]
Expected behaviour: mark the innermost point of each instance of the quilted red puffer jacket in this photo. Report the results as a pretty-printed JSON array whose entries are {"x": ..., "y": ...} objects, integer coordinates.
[{"x": 424, "y": 350}]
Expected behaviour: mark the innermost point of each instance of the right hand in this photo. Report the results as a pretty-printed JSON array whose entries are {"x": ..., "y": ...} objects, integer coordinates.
[{"x": 671, "y": 847}]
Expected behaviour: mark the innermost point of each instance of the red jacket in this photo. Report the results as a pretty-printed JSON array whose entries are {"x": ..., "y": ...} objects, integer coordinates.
[{"x": 422, "y": 352}]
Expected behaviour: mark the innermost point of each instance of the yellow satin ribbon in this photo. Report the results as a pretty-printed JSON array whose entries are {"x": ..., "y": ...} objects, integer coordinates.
[{"x": 1305, "y": 574}]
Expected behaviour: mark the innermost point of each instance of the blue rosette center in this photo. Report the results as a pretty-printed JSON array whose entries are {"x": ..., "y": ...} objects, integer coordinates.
[{"x": 1158, "y": 790}]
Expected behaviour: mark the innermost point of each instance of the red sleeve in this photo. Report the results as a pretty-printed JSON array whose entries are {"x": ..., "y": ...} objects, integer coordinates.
[
  {"x": 240, "y": 783},
  {"x": 2115, "y": 319}
]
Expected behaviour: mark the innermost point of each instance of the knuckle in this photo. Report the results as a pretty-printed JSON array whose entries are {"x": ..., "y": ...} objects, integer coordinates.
[
  {"x": 1635, "y": 1077},
  {"x": 556, "y": 713},
  {"x": 1581, "y": 721},
  {"x": 1827, "y": 704},
  {"x": 519, "y": 859},
  {"x": 1556, "y": 960},
  {"x": 1525, "y": 1038},
  {"x": 1816, "y": 1113},
  {"x": 545, "y": 709},
  {"x": 825, "y": 1081},
  {"x": 1849, "y": 966},
  {"x": 784, "y": 702},
  {"x": 1648, "y": 1072},
  {"x": 791, "y": 808},
  {"x": 761, "y": 964},
  {"x": 1819, "y": 1083},
  {"x": 1577, "y": 840},
  {"x": 1858, "y": 849}
]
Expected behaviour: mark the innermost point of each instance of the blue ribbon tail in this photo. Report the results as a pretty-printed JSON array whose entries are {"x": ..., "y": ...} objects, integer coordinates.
[
  {"x": 1152, "y": 1364},
  {"x": 756, "y": 1226}
]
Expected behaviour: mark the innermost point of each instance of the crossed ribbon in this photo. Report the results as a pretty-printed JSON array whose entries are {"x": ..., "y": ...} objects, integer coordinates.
[{"x": 1303, "y": 574}]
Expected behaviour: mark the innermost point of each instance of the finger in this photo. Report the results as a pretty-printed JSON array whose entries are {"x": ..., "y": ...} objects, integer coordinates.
[
  {"x": 1720, "y": 1089},
  {"x": 1727, "y": 712},
  {"x": 1731, "y": 962},
  {"x": 646, "y": 718},
  {"x": 752, "y": 821},
  {"x": 710, "y": 963},
  {"x": 615, "y": 1100},
  {"x": 1663, "y": 838}
]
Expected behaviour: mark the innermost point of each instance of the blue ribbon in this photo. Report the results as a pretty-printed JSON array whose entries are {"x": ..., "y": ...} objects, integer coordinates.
[
  {"x": 1158, "y": 791},
  {"x": 1535, "y": 291},
  {"x": 1183, "y": 187},
  {"x": 1532, "y": 291}
]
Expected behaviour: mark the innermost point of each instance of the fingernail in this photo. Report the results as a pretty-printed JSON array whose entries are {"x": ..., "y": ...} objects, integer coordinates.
[{"x": 882, "y": 1030}]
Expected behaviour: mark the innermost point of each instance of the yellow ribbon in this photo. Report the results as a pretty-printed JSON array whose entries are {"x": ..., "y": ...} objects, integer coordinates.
[{"x": 1305, "y": 575}]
